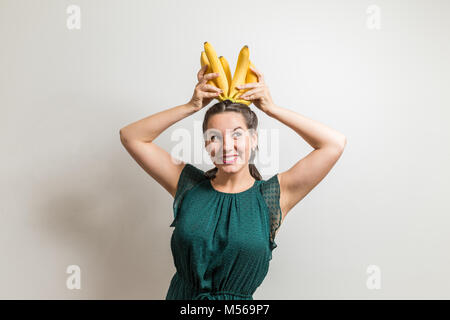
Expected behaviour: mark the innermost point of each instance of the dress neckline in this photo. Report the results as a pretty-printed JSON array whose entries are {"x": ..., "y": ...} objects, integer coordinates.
[{"x": 231, "y": 193}]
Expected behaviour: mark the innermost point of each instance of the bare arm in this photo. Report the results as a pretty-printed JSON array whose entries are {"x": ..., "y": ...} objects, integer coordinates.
[
  {"x": 138, "y": 137},
  {"x": 316, "y": 134},
  {"x": 299, "y": 180},
  {"x": 149, "y": 128},
  {"x": 329, "y": 144}
]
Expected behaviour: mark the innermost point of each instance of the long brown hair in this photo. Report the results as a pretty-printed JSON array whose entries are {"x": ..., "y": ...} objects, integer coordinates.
[{"x": 251, "y": 120}]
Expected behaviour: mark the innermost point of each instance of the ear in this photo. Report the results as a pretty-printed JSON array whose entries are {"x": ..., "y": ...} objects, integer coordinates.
[{"x": 254, "y": 139}]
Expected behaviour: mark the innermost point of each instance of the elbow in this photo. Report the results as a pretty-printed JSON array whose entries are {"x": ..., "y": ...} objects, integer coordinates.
[
  {"x": 344, "y": 142},
  {"x": 122, "y": 130},
  {"x": 341, "y": 141},
  {"x": 339, "y": 144},
  {"x": 123, "y": 138}
]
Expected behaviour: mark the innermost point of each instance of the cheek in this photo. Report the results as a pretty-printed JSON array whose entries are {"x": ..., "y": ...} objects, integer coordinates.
[
  {"x": 243, "y": 146},
  {"x": 213, "y": 148}
]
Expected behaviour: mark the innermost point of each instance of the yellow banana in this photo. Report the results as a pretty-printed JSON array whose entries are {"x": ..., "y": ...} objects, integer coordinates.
[
  {"x": 249, "y": 78},
  {"x": 203, "y": 61},
  {"x": 226, "y": 68},
  {"x": 241, "y": 71},
  {"x": 246, "y": 102},
  {"x": 216, "y": 65}
]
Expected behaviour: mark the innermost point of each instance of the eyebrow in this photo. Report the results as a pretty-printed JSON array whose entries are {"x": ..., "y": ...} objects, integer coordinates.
[{"x": 215, "y": 130}]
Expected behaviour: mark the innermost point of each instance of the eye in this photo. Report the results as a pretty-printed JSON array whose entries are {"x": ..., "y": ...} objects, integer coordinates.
[
  {"x": 238, "y": 134},
  {"x": 212, "y": 137}
]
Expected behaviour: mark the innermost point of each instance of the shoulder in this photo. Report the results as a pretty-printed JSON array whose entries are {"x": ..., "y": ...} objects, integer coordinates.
[
  {"x": 270, "y": 190},
  {"x": 270, "y": 186},
  {"x": 193, "y": 171},
  {"x": 272, "y": 194},
  {"x": 189, "y": 176}
]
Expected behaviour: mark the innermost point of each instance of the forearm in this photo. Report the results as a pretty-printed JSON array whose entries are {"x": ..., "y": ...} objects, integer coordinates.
[
  {"x": 147, "y": 129},
  {"x": 316, "y": 134}
]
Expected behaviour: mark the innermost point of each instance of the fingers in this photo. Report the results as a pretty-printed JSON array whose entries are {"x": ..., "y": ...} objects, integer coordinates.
[
  {"x": 212, "y": 94},
  {"x": 206, "y": 91},
  {"x": 258, "y": 74},
  {"x": 250, "y": 85},
  {"x": 207, "y": 88},
  {"x": 210, "y": 88},
  {"x": 252, "y": 94},
  {"x": 208, "y": 76},
  {"x": 201, "y": 72}
]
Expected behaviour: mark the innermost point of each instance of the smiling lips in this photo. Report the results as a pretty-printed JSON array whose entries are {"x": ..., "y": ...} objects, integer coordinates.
[{"x": 230, "y": 159}]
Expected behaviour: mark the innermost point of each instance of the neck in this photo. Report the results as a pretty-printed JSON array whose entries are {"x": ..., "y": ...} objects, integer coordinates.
[{"x": 234, "y": 181}]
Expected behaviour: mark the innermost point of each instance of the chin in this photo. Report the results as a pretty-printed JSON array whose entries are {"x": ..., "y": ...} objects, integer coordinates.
[{"x": 235, "y": 167}]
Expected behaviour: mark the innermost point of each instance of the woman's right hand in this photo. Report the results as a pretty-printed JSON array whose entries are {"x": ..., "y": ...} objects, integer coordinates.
[{"x": 204, "y": 93}]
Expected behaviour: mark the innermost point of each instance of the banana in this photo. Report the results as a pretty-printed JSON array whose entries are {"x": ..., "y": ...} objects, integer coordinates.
[
  {"x": 246, "y": 102},
  {"x": 226, "y": 68},
  {"x": 216, "y": 65},
  {"x": 241, "y": 71},
  {"x": 203, "y": 61},
  {"x": 249, "y": 78}
]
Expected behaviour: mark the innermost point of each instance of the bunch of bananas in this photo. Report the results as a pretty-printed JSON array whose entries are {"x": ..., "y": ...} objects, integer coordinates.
[{"x": 243, "y": 74}]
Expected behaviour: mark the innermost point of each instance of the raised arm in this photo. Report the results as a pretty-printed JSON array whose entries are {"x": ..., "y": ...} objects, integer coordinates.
[
  {"x": 301, "y": 178},
  {"x": 329, "y": 144},
  {"x": 138, "y": 137}
]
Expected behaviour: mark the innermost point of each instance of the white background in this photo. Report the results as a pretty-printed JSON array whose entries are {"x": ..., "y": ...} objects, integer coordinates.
[{"x": 72, "y": 195}]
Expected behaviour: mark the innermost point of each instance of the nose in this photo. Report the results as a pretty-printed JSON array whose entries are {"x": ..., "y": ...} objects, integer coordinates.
[{"x": 228, "y": 145}]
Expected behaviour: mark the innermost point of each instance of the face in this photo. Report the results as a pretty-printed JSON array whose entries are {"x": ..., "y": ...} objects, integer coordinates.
[{"x": 228, "y": 141}]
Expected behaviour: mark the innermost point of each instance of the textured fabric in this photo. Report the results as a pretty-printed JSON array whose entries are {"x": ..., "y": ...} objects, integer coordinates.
[
  {"x": 222, "y": 242},
  {"x": 271, "y": 194}
]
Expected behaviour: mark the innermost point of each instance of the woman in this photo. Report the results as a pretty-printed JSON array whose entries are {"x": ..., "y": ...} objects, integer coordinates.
[{"x": 226, "y": 219}]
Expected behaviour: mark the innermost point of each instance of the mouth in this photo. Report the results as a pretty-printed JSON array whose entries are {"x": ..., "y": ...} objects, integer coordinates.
[{"x": 230, "y": 159}]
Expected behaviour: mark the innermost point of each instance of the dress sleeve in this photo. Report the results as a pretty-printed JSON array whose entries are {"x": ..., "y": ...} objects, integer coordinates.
[
  {"x": 189, "y": 177},
  {"x": 271, "y": 194}
]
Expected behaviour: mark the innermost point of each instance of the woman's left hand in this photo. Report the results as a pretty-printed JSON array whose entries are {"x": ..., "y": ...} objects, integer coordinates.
[{"x": 258, "y": 94}]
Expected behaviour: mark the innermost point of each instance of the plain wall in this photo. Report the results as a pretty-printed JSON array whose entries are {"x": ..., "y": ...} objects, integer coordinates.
[{"x": 72, "y": 195}]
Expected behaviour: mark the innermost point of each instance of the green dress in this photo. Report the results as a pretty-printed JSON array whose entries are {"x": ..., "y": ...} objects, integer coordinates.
[{"x": 222, "y": 242}]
